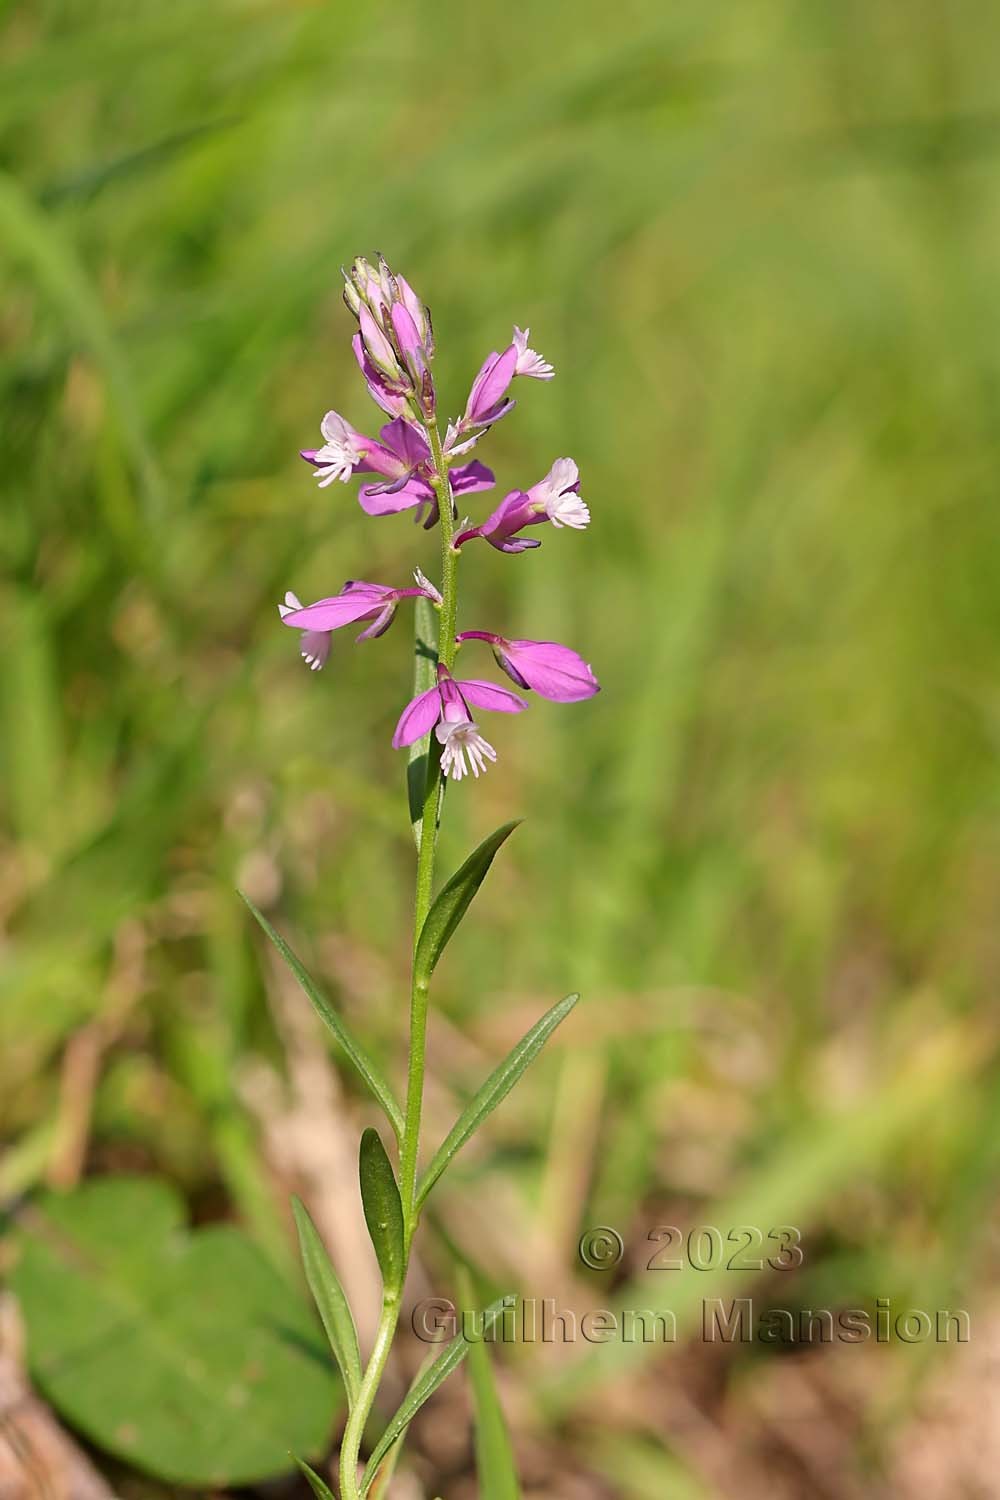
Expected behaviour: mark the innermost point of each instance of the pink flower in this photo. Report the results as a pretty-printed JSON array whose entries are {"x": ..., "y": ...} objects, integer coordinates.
[
  {"x": 356, "y": 601},
  {"x": 400, "y": 455},
  {"x": 446, "y": 706},
  {"x": 552, "y": 670},
  {"x": 488, "y": 399},
  {"x": 342, "y": 452},
  {"x": 555, "y": 498}
]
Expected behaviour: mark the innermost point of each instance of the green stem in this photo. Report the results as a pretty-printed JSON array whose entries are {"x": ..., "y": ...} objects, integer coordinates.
[
  {"x": 428, "y": 843},
  {"x": 354, "y": 1432},
  {"x": 350, "y": 1447}
]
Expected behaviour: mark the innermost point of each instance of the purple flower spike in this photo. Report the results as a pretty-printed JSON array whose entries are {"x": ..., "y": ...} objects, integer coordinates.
[
  {"x": 356, "y": 601},
  {"x": 446, "y": 706},
  {"x": 547, "y": 668},
  {"x": 394, "y": 346}
]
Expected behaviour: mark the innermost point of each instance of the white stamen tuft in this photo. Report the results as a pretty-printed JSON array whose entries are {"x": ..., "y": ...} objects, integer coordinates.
[
  {"x": 459, "y": 740},
  {"x": 342, "y": 451},
  {"x": 528, "y": 361},
  {"x": 568, "y": 510}
]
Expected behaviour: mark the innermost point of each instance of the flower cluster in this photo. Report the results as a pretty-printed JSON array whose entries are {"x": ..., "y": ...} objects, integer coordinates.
[{"x": 414, "y": 470}]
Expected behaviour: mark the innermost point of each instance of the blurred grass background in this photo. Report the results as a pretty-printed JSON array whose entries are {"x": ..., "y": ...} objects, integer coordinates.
[{"x": 760, "y": 245}]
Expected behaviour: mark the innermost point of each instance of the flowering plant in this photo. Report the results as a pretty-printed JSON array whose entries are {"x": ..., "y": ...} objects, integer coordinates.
[{"x": 413, "y": 468}]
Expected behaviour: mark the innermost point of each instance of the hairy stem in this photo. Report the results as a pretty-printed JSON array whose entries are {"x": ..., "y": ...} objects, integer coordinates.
[
  {"x": 350, "y": 1447},
  {"x": 428, "y": 842}
]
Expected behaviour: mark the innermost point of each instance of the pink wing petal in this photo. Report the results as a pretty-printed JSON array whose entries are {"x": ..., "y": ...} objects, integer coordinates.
[
  {"x": 468, "y": 478},
  {"x": 402, "y": 438},
  {"x": 341, "y": 609},
  {"x": 378, "y": 502},
  {"x": 488, "y": 695},
  {"x": 418, "y": 718},
  {"x": 555, "y": 671}
]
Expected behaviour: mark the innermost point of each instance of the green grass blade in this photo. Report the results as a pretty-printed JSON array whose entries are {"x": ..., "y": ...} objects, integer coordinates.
[
  {"x": 32, "y": 237},
  {"x": 452, "y": 902},
  {"x": 424, "y": 1386},
  {"x": 495, "y": 1464},
  {"x": 364, "y": 1064},
  {"x": 494, "y": 1090},
  {"x": 328, "y": 1295}
]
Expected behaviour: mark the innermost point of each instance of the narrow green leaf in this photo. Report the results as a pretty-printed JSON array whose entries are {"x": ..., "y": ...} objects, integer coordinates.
[
  {"x": 319, "y": 1487},
  {"x": 424, "y": 677},
  {"x": 383, "y": 1209},
  {"x": 425, "y": 1385},
  {"x": 364, "y": 1064},
  {"x": 495, "y": 1089},
  {"x": 452, "y": 903},
  {"x": 328, "y": 1295},
  {"x": 495, "y": 1464}
]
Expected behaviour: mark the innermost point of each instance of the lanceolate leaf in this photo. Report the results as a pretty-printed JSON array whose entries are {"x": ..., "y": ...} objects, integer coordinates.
[
  {"x": 425, "y": 1385},
  {"x": 330, "y": 1301},
  {"x": 452, "y": 903},
  {"x": 383, "y": 1209},
  {"x": 496, "y": 1088},
  {"x": 364, "y": 1064},
  {"x": 319, "y": 1487}
]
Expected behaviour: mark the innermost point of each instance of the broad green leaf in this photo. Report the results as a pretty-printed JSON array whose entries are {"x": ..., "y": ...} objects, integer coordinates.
[
  {"x": 424, "y": 677},
  {"x": 364, "y": 1064},
  {"x": 328, "y": 1294},
  {"x": 425, "y": 1385},
  {"x": 319, "y": 1487},
  {"x": 494, "y": 1456},
  {"x": 383, "y": 1209},
  {"x": 186, "y": 1355},
  {"x": 452, "y": 902},
  {"x": 495, "y": 1089}
]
